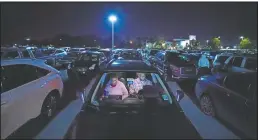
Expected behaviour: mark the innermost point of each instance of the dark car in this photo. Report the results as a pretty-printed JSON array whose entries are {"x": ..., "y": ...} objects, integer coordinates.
[
  {"x": 231, "y": 97},
  {"x": 172, "y": 65},
  {"x": 68, "y": 60},
  {"x": 89, "y": 61},
  {"x": 154, "y": 113},
  {"x": 130, "y": 55}
]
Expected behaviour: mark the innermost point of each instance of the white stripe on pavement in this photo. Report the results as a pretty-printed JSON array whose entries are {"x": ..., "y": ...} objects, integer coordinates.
[{"x": 208, "y": 127}]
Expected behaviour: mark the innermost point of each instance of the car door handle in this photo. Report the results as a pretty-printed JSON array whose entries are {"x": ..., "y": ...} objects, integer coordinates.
[{"x": 4, "y": 102}]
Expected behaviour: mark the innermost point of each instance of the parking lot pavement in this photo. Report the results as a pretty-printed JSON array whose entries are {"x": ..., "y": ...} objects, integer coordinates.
[
  {"x": 71, "y": 86},
  {"x": 208, "y": 127}
]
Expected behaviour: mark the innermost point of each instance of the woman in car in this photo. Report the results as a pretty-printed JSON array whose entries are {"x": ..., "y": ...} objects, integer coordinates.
[{"x": 138, "y": 83}]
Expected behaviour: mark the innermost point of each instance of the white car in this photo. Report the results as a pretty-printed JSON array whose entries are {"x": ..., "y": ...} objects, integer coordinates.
[{"x": 29, "y": 88}]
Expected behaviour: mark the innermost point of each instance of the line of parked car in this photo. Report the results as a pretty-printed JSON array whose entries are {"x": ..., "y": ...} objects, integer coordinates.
[
  {"x": 31, "y": 83},
  {"x": 229, "y": 92}
]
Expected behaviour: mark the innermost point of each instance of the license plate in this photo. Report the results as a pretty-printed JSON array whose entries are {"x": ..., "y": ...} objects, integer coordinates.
[{"x": 188, "y": 70}]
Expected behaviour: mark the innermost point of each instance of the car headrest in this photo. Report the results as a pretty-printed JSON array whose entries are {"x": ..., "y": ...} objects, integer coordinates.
[{"x": 150, "y": 92}]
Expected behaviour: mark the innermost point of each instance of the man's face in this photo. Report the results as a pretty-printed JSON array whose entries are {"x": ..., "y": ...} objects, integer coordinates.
[
  {"x": 114, "y": 81},
  {"x": 142, "y": 76}
]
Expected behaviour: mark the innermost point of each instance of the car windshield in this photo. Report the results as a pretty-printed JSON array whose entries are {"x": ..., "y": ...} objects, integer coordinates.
[
  {"x": 116, "y": 90},
  {"x": 48, "y": 52}
]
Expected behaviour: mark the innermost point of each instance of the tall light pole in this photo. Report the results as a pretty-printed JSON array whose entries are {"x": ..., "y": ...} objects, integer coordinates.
[{"x": 112, "y": 19}]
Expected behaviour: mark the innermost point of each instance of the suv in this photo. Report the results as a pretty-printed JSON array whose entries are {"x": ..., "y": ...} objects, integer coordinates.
[
  {"x": 11, "y": 53},
  {"x": 172, "y": 65},
  {"x": 29, "y": 87},
  {"x": 240, "y": 64}
]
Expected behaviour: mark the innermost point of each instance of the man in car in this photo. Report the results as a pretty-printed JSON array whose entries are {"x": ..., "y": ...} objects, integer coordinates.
[
  {"x": 203, "y": 65},
  {"x": 116, "y": 87},
  {"x": 138, "y": 83}
]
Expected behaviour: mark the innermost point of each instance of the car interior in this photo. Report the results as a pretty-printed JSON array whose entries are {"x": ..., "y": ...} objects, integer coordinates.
[{"x": 150, "y": 93}]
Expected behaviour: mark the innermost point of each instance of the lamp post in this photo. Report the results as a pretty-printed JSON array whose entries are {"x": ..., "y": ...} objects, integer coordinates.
[{"x": 112, "y": 19}]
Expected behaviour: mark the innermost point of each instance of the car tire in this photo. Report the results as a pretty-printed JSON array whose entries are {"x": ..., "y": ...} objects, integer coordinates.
[
  {"x": 50, "y": 106},
  {"x": 207, "y": 106}
]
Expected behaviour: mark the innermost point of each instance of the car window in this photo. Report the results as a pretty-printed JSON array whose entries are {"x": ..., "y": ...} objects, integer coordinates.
[
  {"x": 41, "y": 72},
  {"x": 86, "y": 57},
  {"x": 59, "y": 51},
  {"x": 241, "y": 88},
  {"x": 128, "y": 79},
  {"x": 237, "y": 61},
  {"x": 11, "y": 76},
  {"x": 222, "y": 59},
  {"x": 10, "y": 54},
  {"x": 94, "y": 57},
  {"x": 25, "y": 54},
  {"x": 230, "y": 61},
  {"x": 251, "y": 64}
]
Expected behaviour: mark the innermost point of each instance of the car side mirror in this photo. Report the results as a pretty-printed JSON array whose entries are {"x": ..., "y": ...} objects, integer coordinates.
[{"x": 179, "y": 95}]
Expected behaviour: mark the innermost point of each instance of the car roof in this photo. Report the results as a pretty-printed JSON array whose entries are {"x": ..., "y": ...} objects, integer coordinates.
[
  {"x": 5, "y": 62},
  {"x": 129, "y": 65},
  {"x": 12, "y": 49}
]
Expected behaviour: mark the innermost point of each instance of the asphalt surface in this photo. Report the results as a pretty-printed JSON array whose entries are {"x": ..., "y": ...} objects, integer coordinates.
[{"x": 188, "y": 87}]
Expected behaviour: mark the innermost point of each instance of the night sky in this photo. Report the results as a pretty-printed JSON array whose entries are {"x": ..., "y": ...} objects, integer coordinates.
[{"x": 171, "y": 20}]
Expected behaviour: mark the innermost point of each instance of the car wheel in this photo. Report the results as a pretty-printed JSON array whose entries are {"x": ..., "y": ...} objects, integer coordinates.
[
  {"x": 49, "y": 106},
  {"x": 207, "y": 106}
]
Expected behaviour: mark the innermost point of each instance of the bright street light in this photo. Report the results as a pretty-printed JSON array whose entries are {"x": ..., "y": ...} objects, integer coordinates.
[
  {"x": 219, "y": 37},
  {"x": 112, "y": 19},
  {"x": 28, "y": 39},
  {"x": 241, "y": 37}
]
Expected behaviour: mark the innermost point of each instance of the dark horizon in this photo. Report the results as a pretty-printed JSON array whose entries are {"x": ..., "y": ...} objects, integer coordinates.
[{"x": 167, "y": 19}]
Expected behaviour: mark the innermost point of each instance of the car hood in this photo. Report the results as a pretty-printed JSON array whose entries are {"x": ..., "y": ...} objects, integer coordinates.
[{"x": 133, "y": 125}]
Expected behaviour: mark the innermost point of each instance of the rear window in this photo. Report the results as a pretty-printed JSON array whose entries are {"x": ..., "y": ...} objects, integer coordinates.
[
  {"x": 10, "y": 54},
  {"x": 251, "y": 64},
  {"x": 222, "y": 59}
]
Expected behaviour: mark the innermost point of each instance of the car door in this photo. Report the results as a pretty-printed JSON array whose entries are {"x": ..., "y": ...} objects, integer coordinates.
[
  {"x": 6, "y": 85},
  {"x": 23, "y": 105},
  {"x": 235, "y": 100}
]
